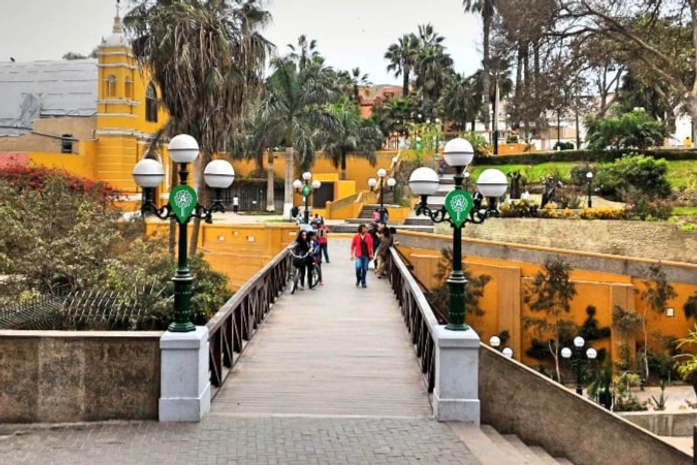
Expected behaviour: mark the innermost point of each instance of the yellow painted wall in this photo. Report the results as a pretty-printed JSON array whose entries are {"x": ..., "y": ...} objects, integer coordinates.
[
  {"x": 505, "y": 308},
  {"x": 357, "y": 169},
  {"x": 78, "y": 165},
  {"x": 237, "y": 250}
]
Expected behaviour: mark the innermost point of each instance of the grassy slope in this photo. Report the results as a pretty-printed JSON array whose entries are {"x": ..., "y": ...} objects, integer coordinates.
[{"x": 681, "y": 174}]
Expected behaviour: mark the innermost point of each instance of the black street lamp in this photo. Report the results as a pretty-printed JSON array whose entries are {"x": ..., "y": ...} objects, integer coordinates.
[
  {"x": 305, "y": 187},
  {"x": 589, "y": 177},
  {"x": 183, "y": 205},
  {"x": 372, "y": 182},
  {"x": 457, "y": 210},
  {"x": 591, "y": 354}
]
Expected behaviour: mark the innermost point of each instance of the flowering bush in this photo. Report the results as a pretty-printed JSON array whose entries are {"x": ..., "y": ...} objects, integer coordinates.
[
  {"x": 557, "y": 213},
  {"x": 603, "y": 213},
  {"x": 35, "y": 178},
  {"x": 518, "y": 208}
]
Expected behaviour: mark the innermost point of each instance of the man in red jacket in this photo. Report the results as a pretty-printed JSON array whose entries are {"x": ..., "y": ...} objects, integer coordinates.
[
  {"x": 362, "y": 251},
  {"x": 322, "y": 233}
]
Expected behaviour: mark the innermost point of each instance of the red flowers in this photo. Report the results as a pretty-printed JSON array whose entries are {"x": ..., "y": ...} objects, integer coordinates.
[{"x": 30, "y": 177}]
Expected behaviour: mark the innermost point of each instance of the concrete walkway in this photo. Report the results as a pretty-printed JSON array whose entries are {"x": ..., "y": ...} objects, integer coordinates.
[{"x": 330, "y": 379}]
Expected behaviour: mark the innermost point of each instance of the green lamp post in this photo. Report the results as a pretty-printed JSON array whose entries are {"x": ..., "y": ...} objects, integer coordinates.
[
  {"x": 457, "y": 210},
  {"x": 305, "y": 187},
  {"x": 183, "y": 205}
]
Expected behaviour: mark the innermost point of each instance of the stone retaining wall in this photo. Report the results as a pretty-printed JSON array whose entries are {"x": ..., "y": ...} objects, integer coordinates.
[
  {"x": 645, "y": 239},
  {"x": 517, "y": 400},
  {"x": 65, "y": 376}
]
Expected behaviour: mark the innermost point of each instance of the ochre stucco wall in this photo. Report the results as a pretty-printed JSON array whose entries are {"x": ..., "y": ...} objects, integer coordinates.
[
  {"x": 237, "y": 250},
  {"x": 595, "y": 276}
]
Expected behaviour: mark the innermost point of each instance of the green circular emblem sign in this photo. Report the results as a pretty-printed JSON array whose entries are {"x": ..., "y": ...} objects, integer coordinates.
[
  {"x": 458, "y": 204},
  {"x": 183, "y": 200},
  {"x": 307, "y": 190}
]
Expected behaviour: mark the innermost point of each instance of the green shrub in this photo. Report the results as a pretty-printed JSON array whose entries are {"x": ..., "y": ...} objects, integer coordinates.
[
  {"x": 586, "y": 156},
  {"x": 638, "y": 172},
  {"x": 635, "y": 129}
]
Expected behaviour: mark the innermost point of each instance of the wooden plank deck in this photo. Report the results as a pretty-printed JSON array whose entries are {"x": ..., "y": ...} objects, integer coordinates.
[{"x": 338, "y": 350}]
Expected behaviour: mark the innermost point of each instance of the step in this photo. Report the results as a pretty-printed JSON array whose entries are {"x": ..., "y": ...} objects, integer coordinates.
[
  {"x": 545, "y": 458},
  {"x": 481, "y": 445},
  {"x": 563, "y": 461},
  {"x": 523, "y": 449},
  {"x": 502, "y": 443},
  {"x": 353, "y": 228},
  {"x": 419, "y": 220}
]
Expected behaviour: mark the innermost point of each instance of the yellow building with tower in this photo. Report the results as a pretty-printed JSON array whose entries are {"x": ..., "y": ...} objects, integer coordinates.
[
  {"x": 92, "y": 117},
  {"x": 98, "y": 117}
]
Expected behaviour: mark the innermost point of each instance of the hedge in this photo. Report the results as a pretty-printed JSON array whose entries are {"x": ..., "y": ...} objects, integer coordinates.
[{"x": 536, "y": 158}]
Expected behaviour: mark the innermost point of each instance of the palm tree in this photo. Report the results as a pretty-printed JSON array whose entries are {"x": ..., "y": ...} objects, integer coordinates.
[
  {"x": 429, "y": 37},
  {"x": 354, "y": 79},
  {"x": 292, "y": 112},
  {"x": 304, "y": 52},
  {"x": 433, "y": 70},
  {"x": 207, "y": 57},
  {"x": 402, "y": 57},
  {"x": 357, "y": 136},
  {"x": 487, "y": 10},
  {"x": 460, "y": 102}
]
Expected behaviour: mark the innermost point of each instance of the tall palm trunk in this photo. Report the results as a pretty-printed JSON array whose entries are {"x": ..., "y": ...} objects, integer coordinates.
[
  {"x": 270, "y": 200},
  {"x": 518, "y": 96},
  {"x": 405, "y": 83},
  {"x": 197, "y": 181},
  {"x": 288, "y": 183},
  {"x": 343, "y": 167},
  {"x": 486, "y": 79}
]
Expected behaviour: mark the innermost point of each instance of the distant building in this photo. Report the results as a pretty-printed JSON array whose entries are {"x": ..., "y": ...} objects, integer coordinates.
[
  {"x": 370, "y": 95},
  {"x": 93, "y": 117}
]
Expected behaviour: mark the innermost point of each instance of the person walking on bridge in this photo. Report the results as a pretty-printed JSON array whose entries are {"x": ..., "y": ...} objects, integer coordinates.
[{"x": 362, "y": 251}]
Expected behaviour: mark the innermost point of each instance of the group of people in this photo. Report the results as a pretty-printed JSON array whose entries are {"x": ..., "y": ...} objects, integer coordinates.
[
  {"x": 310, "y": 246},
  {"x": 368, "y": 245}
]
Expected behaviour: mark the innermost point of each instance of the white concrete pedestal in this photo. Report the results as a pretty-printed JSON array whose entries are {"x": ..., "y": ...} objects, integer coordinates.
[
  {"x": 456, "y": 392},
  {"x": 185, "y": 388}
]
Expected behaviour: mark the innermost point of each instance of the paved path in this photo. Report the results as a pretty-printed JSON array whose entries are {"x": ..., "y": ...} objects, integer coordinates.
[{"x": 329, "y": 379}]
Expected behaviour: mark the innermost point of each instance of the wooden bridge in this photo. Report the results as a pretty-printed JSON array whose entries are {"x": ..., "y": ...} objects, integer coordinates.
[{"x": 337, "y": 349}]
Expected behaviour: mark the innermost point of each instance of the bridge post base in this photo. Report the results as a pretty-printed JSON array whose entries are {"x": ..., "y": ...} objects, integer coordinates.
[
  {"x": 456, "y": 391},
  {"x": 185, "y": 388}
]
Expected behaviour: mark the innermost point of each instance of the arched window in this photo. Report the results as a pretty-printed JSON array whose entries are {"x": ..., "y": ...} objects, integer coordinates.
[
  {"x": 151, "y": 104},
  {"x": 128, "y": 83},
  {"x": 111, "y": 86}
]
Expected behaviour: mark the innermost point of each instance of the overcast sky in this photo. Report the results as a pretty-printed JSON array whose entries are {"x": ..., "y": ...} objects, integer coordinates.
[{"x": 350, "y": 34}]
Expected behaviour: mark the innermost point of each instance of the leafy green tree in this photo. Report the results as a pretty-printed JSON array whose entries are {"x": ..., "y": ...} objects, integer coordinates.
[
  {"x": 634, "y": 173},
  {"x": 55, "y": 236},
  {"x": 63, "y": 234},
  {"x": 635, "y": 129},
  {"x": 208, "y": 59},
  {"x": 549, "y": 295},
  {"x": 657, "y": 293}
]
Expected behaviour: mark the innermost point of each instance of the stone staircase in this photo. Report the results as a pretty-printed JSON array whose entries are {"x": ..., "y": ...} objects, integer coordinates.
[
  {"x": 492, "y": 448},
  {"x": 350, "y": 225},
  {"x": 412, "y": 222}
]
